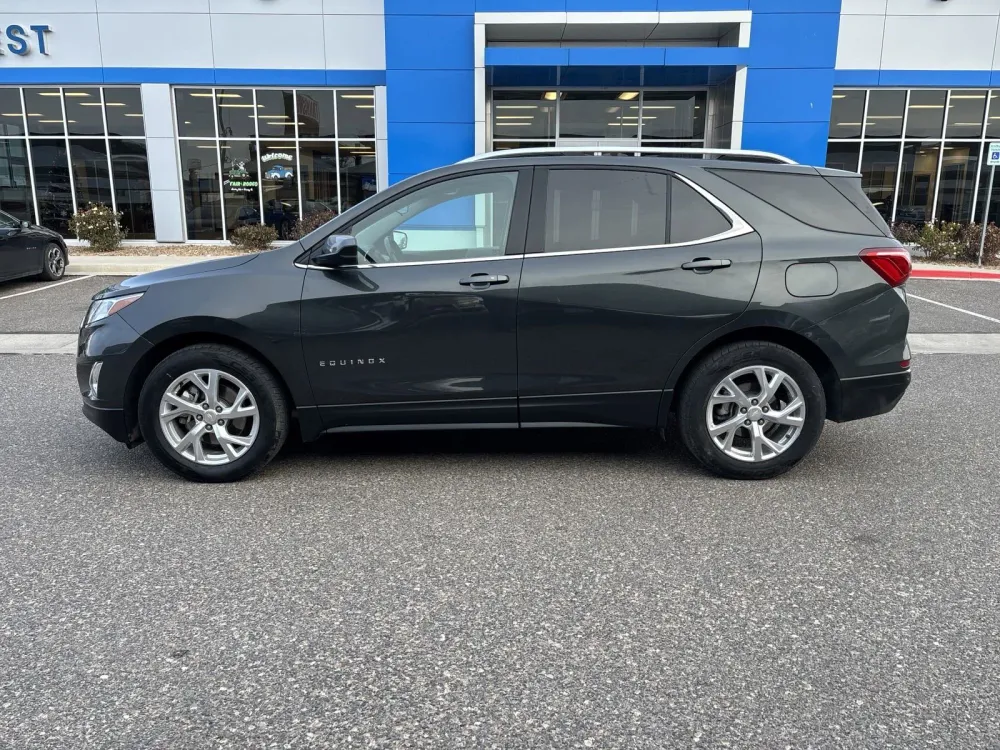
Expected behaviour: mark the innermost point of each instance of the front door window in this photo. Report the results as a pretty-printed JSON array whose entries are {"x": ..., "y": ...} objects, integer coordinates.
[{"x": 465, "y": 217}]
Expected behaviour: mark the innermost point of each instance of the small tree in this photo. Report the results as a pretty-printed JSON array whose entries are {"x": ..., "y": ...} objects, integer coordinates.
[
  {"x": 100, "y": 226},
  {"x": 253, "y": 238}
]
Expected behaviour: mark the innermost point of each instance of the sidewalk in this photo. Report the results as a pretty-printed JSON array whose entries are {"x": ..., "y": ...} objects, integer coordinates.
[{"x": 127, "y": 265}]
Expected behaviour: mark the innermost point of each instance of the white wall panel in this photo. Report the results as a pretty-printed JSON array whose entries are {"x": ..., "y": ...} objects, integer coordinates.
[
  {"x": 863, "y": 7},
  {"x": 73, "y": 42},
  {"x": 939, "y": 42},
  {"x": 46, "y": 6},
  {"x": 355, "y": 42},
  {"x": 241, "y": 41},
  {"x": 938, "y": 8},
  {"x": 168, "y": 218},
  {"x": 156, "y": 40},
  {"x": 162, "y": 155},
  {"x": 285, "y": 7},
  {"x": 860, "y": 44},
  {"x": 354, "y": 7},
  {"x": 157, "y": 110},
  {"x": 152, "y": 6}
]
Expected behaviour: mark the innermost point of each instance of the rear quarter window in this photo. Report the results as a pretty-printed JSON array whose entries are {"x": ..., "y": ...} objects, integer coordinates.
[{"x": 807, "y": 198}]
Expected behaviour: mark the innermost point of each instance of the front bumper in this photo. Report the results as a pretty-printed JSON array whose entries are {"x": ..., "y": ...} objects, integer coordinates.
[
  {"x": 869, "y": 396},
  {"x": 115, "y": 343}
]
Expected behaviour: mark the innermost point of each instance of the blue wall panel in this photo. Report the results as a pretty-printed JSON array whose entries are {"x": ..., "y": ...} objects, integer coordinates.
[
  {"x": 417, "y": 146},
  {"x": 794, "y": 40},
  {"x": 431, "y": 95},
  {"x": 789, "y": 95},
  {"x": 796, "y": 140},
  {"x": 428, "y": 42}
]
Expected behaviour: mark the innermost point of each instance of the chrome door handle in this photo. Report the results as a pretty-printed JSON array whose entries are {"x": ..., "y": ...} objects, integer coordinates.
[
  {"x": 482, "y": 280},
  {"x": 704, "y": 265}
]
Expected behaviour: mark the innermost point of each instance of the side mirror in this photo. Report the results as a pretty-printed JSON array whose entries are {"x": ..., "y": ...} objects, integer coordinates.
[
  {"x": 25, "y": 225},
  {"x": 337, "y": 250},
  {"x": 400, "y": 239}
]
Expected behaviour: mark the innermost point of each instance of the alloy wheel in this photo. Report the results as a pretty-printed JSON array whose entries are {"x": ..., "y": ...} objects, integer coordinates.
[
  {"x": 209, "y": 417},
  {"x": 755, "y": 413},
  {"x": 55, "y": 261}
]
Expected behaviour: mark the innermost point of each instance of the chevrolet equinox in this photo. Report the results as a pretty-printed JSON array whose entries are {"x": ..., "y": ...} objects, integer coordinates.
[{"x": 748, "y": 298}]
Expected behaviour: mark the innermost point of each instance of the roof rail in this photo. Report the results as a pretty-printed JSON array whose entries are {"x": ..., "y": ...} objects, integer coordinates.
[{"x": 719, "y": 153}]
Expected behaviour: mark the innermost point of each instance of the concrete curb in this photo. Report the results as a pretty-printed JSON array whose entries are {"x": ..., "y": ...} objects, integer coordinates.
[
  {"x": 128, "y": 265},
  {"x": 954, "y": 273}
]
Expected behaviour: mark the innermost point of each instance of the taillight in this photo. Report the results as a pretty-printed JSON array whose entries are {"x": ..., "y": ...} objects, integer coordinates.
[{"x": 891, "y": 263}]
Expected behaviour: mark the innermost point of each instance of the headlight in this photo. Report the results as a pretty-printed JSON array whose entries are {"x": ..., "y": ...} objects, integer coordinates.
[{"x": 102, "y": 308}]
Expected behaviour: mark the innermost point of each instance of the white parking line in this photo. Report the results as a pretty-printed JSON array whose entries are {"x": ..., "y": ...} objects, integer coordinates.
[
  {"x": 954, "y": 343},
  {"x": 956, "y": 309},
  {"x": 47, "y": 286}
]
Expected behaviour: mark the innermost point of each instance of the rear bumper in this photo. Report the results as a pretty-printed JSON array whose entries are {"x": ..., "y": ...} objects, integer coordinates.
[{"x": 869, "y": 396}]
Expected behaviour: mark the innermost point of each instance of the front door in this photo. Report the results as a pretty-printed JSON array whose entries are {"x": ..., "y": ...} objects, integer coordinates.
[
  {"x": 423, "y": 330},
  {"x": 618, "y": 283}
]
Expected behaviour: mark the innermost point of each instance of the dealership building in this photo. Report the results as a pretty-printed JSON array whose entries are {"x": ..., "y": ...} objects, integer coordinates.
[{"x": 194, "y": 117}]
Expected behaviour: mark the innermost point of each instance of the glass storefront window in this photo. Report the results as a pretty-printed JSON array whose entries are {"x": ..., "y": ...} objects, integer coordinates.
[
  {"x": 318, "y": 165},
  {"x": 11, "y": 112},
  {"x": 123, "y": 111},
  {"x": 959, "y": 168},
  {"x": 357, "y": 173},
  {"x": 236, "y": 113},
  {"x": 523, "y": 115},
  {"x": 84, "y": 113},
  {"x": 936, "y": 156},
  {"x": 916, "y": 185},
  {"x": 130, "y": 178},
  {"x": 52, "y": 186},
  {"x": 847, "y": 114},
  {"x": 202, "y": 196},
  {"x": 71, "y": 151},
  {"x": 240, "y": 183},
  {"x": 275, "y": 113},
  {"x": 965, "y": 114},
  {"x": 672, "y": 115},
  {"x": 885, "y": 114},
  {"x": 925, "y": 115},
  {"x": 15, "y": 180},
  {"x": 843, "y": 156},
  {"x": 45, "y": 115},
  {"x": 879, "y": 164},
  {"x": 279, "y": 169},
  {"x": 91, "y": 176},
  {"x": 355, "y": 114},
  {"x": 307, "y": 156},
  {"x": 598, "y": 114},
  {"x": 316, "y": 113},
  {"x": 195, "y": 113},
  {"x": 505, "y": 145}
]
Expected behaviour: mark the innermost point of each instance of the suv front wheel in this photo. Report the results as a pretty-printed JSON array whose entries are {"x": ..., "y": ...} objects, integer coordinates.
[
  {"x": 751, "y": 410},
  {"x": 213, "y": 413}
]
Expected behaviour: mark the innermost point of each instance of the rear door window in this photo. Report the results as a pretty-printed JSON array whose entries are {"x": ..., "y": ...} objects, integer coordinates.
[{"x": 595, "y": 209}]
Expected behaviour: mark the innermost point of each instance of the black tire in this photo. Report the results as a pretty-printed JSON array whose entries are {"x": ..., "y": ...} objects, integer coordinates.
[
  {"x": 707, "y": 374},
  {"x": 272, "y": 405},
  {"x": 53, "y": 271}
]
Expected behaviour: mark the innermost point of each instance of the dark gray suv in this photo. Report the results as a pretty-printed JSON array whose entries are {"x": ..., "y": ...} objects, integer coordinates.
[{"x": 749, "y": 298}]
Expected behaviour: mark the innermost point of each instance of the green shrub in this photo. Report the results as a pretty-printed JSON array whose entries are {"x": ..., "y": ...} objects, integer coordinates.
[
  {"x": 946, "y": 241},
  {"x": 312, "y": 221},
  {"x": 100, "y": 226},
  {"x": 253, "y": 238},
  {"x": 908, "y": 234},
  {"x": 991, "y": 248}
]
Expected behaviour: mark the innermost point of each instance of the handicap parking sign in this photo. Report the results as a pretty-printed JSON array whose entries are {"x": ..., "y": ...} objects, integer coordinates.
[{"x": 994, "y": 155}]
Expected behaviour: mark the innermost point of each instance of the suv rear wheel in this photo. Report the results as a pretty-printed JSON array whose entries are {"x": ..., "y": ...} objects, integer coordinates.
[
  {"x": 751, "y": 410},
  {"x": 213, "y": 413}
]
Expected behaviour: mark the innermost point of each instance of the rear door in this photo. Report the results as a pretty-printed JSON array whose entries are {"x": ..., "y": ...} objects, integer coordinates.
[{"x": 625, "y": 269}]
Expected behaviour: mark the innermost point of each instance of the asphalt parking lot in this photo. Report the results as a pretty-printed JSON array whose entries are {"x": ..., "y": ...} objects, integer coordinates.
[{"x": 568, "y": 589}]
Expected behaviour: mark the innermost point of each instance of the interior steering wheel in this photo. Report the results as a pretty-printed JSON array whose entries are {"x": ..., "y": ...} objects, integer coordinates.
[{"x": 386, "y": 251}]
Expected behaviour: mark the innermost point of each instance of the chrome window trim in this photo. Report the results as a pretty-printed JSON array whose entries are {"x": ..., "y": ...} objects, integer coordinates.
[
  {"x": 739, "y": 228},
  {"x": 488, "y": 258}
]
